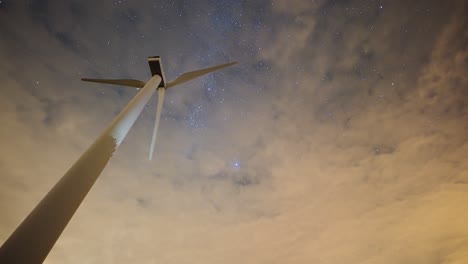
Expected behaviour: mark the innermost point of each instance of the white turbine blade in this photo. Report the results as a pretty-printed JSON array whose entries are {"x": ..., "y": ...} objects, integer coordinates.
[
  {"x": 124, "y": 82},
  {"x": 161, "y": 92},
  {"x": 194, "y": 74}
]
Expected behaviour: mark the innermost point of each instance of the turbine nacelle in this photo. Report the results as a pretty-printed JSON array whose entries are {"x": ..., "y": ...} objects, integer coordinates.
[{"x": 157, "y": 69}]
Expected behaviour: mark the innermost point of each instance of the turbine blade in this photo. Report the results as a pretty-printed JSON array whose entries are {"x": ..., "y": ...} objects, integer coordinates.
[
  {"x": 194, "y": 74},
  {"x": 161, "y": 92},
  {"x": 124, "y": 82}
]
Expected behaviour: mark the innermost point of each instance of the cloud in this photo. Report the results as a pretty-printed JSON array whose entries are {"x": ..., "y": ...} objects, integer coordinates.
[{"x": 347, "y": 120}]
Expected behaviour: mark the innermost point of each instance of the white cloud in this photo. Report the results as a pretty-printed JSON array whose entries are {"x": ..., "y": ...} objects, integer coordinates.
[{"x": 334, "y": 170}]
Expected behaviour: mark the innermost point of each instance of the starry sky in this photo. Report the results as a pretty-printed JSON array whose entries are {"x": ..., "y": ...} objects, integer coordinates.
[{"x": 340, "y": 137}]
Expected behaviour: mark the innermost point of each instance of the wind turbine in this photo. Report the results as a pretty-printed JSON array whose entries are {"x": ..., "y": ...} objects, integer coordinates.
[{"x": 33, "y": 239}]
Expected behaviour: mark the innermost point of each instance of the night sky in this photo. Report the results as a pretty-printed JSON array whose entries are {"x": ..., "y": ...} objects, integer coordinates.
[{"x": 340, "y": 137}]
